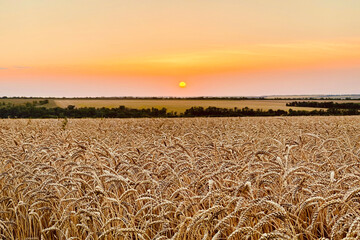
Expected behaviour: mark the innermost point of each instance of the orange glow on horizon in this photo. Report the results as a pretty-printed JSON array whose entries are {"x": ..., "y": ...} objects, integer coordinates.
[{"x": 251, "y": 58}]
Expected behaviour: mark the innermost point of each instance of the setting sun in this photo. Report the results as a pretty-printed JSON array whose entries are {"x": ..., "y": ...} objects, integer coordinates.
[{"x": 182, "y": 84}]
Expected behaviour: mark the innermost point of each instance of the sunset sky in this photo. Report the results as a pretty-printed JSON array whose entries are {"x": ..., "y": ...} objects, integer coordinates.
[{"x": 146, "y": 47}]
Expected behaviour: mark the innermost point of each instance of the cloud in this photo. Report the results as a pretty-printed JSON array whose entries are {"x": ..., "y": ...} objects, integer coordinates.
[
  {"x": 21, "y": 67},
  {"x": 15, "y": 67}
]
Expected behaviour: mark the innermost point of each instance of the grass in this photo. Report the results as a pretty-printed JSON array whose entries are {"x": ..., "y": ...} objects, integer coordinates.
[{"x": 200, "y": 178}]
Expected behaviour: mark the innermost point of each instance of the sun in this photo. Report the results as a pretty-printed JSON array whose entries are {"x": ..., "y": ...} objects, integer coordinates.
[{"x": 182, "y": 84}]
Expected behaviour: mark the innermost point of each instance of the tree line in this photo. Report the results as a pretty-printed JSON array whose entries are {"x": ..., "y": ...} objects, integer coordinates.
[
  {"x": 334, "y": 105},
  {"x": 248, "y": 112},
  {"x": 37, "y": 111}
]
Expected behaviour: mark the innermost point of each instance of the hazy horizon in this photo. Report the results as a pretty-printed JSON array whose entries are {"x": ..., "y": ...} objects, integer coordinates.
[{"x": 199, "y": 96}]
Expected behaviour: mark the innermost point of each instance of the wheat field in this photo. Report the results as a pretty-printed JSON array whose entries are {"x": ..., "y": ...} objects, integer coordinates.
[{"x": 199, "y": 178}]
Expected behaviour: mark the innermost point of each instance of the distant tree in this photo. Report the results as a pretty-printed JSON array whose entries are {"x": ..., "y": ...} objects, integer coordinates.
[
  {"x": 70, "y": 107},
  {"x": 43, "y": 102}
]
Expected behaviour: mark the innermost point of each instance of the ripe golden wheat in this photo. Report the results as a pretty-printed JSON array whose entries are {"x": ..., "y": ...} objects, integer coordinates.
[{"x": 200, "y": 178}]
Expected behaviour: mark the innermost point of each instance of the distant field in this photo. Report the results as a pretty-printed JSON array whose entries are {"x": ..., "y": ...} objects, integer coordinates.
[
  {"x": 178, "y": 105},
  {"x": 19, "y": 101}
]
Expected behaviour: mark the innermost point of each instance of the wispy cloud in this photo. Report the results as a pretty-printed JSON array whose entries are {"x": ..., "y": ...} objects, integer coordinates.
[
  {"x": 20, "y": 67},
  {"x": 15, "y": 67},
  {"x": 332, "y": 46}
]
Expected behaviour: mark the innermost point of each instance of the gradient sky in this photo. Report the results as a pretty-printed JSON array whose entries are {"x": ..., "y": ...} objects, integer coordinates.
[{"x": 146, "y": 47}]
